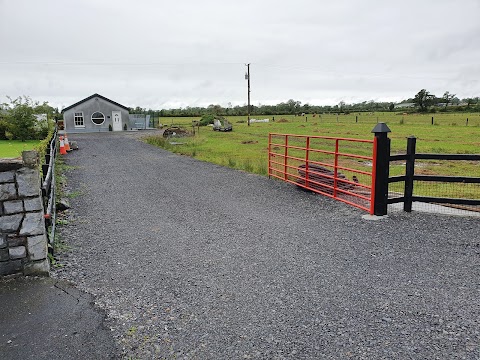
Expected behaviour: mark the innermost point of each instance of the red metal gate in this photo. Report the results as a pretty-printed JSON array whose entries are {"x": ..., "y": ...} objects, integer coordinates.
[{"x": 341, "y": 168}]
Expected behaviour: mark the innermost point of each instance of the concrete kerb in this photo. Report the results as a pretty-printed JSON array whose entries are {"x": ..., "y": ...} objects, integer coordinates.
[{"x": 369, "y": 217}]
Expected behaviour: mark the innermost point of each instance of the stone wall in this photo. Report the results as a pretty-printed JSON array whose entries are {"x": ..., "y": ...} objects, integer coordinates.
[{"x": 23, "y": 238}]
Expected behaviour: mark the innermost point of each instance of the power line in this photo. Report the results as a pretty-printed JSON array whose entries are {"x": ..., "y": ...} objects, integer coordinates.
[
  {"x": 91, "y": 63},
  {"x": 291, "y": 68}
]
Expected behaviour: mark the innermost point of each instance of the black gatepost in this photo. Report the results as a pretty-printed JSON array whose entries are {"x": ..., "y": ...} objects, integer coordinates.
[
  {"x": 409, "y": 173},
  {"x": 382, "y": 168}
]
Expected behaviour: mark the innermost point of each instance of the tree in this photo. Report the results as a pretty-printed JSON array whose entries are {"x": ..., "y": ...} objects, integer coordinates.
[
  {"x": 470, "y": 101},
  {"x": 447, "y": 98},
  {"x": 306, "y": 108},
  {"x": 423, "y": 100},
  {"x": 20, "y": 118},
  {"x": 215, "y": 109},
  {"x": 391, "y": 106},
  {"x": 293, "y": 106},
  {"x": 137, "y": 110}
]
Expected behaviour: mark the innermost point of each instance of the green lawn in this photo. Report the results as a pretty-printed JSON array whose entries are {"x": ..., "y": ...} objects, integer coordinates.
[{"x": 14, "y": 148}]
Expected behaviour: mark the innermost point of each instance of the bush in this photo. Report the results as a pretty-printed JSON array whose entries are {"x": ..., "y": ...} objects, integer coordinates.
[
  {"x": 45, "y": 141},
  {"x": 209, "y": 119},
  {"x": 43, "y": 129},
  {"x": 20, "y": 118},
  {"x": 3, "y": 130}
]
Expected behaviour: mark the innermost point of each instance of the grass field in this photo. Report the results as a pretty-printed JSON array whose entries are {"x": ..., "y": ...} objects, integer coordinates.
[
  {"x": 14, "y": 148},
  {"x": 246, "y": 147},
  {"x": 248, "y": 144}
]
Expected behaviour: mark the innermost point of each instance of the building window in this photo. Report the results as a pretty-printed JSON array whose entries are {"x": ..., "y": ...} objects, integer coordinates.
[
  {"x": 98, "y": 118},
  {"x": 78, "y": 119}
]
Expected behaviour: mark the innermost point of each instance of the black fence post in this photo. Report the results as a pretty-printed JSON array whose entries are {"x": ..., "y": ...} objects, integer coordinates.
[
  {"x": 382, "y": 168},
  {"x": 409, "y": 173}
]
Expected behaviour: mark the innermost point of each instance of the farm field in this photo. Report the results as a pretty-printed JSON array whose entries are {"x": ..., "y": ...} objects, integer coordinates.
[
  {"x": 246, "y": 147},
  {"x": 14, "y": 148}
]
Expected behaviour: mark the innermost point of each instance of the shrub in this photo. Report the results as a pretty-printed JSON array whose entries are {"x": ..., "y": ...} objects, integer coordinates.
[
  {"x": 20, "y": 121},
  {"x": 208, "y": 119},
  {"x": 41, "y": 147},
  {"x": 3, "y": 129},
  {"x": 43, "y": 129}
]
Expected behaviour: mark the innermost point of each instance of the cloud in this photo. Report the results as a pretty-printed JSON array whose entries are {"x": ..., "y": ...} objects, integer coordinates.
[{"x": 153, "y": 53}]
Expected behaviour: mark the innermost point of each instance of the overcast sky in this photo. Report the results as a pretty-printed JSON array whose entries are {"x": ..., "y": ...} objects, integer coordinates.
[{"x": 178, "y": 53}]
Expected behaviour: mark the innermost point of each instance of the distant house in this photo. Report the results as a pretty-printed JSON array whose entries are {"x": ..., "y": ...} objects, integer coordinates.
[
  {"x": 95, "y": 113},
  {"x": 404, "y": 105}
]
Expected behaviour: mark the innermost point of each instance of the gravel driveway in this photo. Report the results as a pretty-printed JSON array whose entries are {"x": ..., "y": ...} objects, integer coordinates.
[{"x": 195, "y": 261}]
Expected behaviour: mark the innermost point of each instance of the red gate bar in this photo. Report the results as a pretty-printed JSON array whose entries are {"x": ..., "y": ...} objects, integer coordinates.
[{"x": 325, "y": 165}]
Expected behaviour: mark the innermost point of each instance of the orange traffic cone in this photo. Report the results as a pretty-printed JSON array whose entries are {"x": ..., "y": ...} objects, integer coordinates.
[
  {"x": 67, "y": 144},
  {"x": 63, "y": 151}
]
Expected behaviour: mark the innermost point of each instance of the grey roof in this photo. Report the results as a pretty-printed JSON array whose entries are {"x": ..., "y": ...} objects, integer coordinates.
[{"x": 91, "y": 97}]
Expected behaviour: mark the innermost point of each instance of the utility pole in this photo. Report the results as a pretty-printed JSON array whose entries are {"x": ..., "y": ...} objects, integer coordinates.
[{"x": 247, "y": 76}]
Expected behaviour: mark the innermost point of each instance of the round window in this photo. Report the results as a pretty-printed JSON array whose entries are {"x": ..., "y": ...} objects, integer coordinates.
[{"x": 98, "y": 118}]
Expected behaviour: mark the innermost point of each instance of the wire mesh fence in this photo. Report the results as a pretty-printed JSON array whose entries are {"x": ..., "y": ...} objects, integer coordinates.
[{"x": 462, "y": 183}]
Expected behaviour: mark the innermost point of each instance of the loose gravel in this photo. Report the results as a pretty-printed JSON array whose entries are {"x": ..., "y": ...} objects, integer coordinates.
[{"x": 195, "y": 261}]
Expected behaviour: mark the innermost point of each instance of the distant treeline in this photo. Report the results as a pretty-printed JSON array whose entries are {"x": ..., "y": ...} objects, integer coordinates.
[{"x": 292, "y": 107}]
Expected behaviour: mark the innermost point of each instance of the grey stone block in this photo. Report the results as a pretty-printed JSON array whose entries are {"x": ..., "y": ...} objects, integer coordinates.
[
  {"x": 4, "y": 255},
  {"x": 10, "y": 223},
  {"x": 41, "y": 267},
  {"x": 33, "y": 224},
  {"x": 62, "y": 204},
  {"x": 3, "y": 241},
  {"x": 8, "y": 191},
  {"x": 12, "y": 207},
  {"x": 30, "y": 158},
  {"x": 10, "y": 267},
  {"x": 28, "y": 181},
  {"x": 34, "y": 204},
  {"x": 37, "y": 247},
  {"x": 13, "y": 240},
  {"x": 7, "y": 176},
  {"x": 10, "y": 164},
  {"x": 18, "y": 252}
]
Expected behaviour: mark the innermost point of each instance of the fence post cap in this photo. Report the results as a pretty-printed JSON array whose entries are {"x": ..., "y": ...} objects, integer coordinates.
[{"x": 381, "y": 128}]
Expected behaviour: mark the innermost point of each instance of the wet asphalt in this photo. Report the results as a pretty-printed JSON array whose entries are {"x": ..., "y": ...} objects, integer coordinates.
[
  {"x": 190, "y": 260},
  {"x": 45, "y": 318}
]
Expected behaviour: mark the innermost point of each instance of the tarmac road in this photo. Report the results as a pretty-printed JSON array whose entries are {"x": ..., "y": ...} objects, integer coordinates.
[
  {"x": 44, "y": 318},
  {"x": 191, "y": 260}
]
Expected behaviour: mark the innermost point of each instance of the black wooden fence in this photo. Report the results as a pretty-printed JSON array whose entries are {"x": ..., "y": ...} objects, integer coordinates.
[
  {"x": 48, "y": 189},
  {"x": 382, "y": 179},
  {"x": 410, "y": 177}
]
